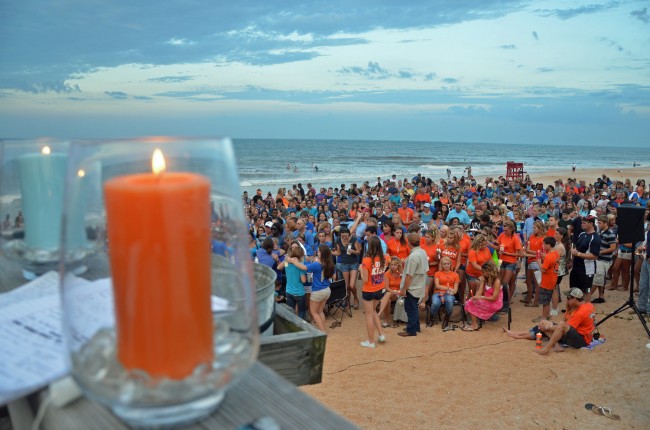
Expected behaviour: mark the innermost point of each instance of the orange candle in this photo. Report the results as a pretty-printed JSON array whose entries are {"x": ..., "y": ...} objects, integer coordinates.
[{"x": 158, "y": 232}]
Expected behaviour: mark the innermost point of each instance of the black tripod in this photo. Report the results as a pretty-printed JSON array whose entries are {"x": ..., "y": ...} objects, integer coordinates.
[{"x": 630, "y": 302}]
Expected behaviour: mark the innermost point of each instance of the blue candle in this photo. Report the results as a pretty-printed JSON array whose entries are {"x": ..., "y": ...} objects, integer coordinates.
[{"x": 42, "y": 179}]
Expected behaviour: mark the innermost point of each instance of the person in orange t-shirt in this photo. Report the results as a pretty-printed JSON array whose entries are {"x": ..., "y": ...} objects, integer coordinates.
[
  {"x": 397, "y": 246},
  {"x": 510, "y": 250},
  {"x": 576, "y": 331},
  {"x": 429, "y": 244},
  {"x": 533, "y": 249},
  {"x": 405, "y": 212},
  {"x": 445, "y": 287},
  {"x": 393, "y": 279},
  {"x": 549, "y": 268},
  {"x": 372, "y": 271},
  {"x": 479, "y": 254}
]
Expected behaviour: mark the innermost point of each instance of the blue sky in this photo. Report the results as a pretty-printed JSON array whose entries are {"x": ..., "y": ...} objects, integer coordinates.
[{"x": 560, "y": 72}]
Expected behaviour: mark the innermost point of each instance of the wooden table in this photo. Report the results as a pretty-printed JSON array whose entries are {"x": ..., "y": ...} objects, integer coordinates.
[{"x": 260, "y": 393}]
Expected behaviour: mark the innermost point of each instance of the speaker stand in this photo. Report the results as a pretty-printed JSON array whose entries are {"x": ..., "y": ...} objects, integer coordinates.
[{"x": 630, "y": 302}]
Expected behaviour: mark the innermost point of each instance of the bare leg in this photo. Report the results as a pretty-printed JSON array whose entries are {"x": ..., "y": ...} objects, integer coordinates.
[
  {"x": 518, "y": 334},
  {"x": 556, "y": 332},
  {"x": 353, "y": 287},
  {"x": 625, "y": 274},
  {"x": 370, "y": 321},
  {"x": 317, "y": 315},
  {"x": 616, "y": 270}
]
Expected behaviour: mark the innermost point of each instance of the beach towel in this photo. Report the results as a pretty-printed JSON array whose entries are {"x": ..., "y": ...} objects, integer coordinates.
[{"x": 594, "y": 343}]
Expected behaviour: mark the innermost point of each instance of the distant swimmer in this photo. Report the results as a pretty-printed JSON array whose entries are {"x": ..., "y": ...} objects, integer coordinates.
[
  {"x": 573, "y": 168},
  {"x": 295, "y": 169},
  {"x": 634, "y": 164},
  {"x": 288, "y": 166},
  {"x": 316, "y": 168}
]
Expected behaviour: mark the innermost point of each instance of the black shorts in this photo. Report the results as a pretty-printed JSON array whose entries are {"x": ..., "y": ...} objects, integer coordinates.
[
  {"x": 377, "y": 295},
  {"x": 573, "y": 339},
  {"x": 579, "y": 279}
]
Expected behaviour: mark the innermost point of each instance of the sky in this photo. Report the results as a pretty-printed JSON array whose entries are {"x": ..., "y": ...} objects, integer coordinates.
[{"x": 524, "y": 72}]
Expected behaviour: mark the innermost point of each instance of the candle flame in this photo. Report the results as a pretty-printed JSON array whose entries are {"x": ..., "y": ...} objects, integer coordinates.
[
  {"x": 46, "y": 150},
  {"x": 81, "y": 173},
  {"x": 158, "y": 162}
]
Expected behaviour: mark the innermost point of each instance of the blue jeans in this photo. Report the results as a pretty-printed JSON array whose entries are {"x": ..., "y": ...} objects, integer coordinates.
[
  {"x": 411, "y": 309},
  {"x": 436, "y": 303},
  {"x": 301, "y": 301},
  {"x": 644, "y": 287}
]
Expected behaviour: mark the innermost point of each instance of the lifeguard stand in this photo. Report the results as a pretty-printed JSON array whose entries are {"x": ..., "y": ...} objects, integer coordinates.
[{"x": 514, "y": 171}]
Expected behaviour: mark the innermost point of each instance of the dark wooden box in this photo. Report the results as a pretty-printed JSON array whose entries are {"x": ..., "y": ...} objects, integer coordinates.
[{"x": 296, "y": 349}]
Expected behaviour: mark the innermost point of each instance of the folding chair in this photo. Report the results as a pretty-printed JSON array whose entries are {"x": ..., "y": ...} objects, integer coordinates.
[
  {"x": 504, "y": 311},
  {"x": 337, "y": 300}
]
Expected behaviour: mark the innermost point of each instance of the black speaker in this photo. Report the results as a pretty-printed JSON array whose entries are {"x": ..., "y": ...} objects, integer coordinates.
[{"x": 630, "y": 223}]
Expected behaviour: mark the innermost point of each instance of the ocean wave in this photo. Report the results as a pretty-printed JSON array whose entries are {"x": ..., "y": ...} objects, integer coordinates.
[{"x": 9, "y": 199}]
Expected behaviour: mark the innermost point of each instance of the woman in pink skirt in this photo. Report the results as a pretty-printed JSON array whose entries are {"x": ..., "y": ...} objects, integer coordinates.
[{"x": 488, "y": 298}]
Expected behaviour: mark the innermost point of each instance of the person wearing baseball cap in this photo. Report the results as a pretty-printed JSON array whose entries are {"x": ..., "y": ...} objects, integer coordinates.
[
  {"x": 585, "y": 253},
  {"x": 576, "y": 329}
]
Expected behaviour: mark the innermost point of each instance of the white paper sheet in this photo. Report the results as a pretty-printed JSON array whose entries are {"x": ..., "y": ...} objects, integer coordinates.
[{"x": 32, "y": 349}]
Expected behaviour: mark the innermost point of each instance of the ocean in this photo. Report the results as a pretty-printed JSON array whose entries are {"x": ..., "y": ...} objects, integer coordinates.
[{"x": 262, "y": 163}]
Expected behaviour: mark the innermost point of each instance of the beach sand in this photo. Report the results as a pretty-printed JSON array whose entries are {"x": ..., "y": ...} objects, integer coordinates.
[
  {"x": 589, "y": 175},
  {"x": 454, "y": 379},
  {"x": 484, "y": 379}
]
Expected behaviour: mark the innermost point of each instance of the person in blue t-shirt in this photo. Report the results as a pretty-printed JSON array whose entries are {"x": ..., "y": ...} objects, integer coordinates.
[
  {"x": 295, "y": 290},
  {"x": 322, "y": 269}
]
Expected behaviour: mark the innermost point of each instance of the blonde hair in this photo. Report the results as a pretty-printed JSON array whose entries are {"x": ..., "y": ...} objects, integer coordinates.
[
  {"x": 479, "y": 242},
  {"x": 540, "y": 227},
  {"x": 490, "y": 272}
]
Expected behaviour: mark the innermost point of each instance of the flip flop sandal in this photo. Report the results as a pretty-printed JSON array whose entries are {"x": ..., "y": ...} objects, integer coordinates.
[
  {"x": 603, "y": 411},
  {"x": 531, "y": 305},
  {"x": 467, "y": 328},
  {"x": 449, "y": 328}
]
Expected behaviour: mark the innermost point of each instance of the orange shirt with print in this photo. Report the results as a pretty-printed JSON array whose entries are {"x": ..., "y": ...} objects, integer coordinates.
[
  {"x": 432, "y": 251},
  {"x": 447, "y": 279},
  {"x": 510, "y": 244},
  {"x": 375, "y": 269},
  {"x": 397, "y": 249},
  {"x": 550, "y": 265},
  {"x": 479, "y": 257},
  {"x": 535, "y": 243},
  {"x": 452, "y": 253}
]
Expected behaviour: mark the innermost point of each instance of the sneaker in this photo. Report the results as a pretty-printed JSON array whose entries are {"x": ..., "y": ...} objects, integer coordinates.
[
  {"x": 381, "y": 339},
  {"x": 554, "y": 312},
  {"x": 367, "y": 344},
  {"x": 598, "y": 300}
]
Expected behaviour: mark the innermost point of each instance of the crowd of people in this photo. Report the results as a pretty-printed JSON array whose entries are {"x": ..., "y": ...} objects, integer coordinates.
[{"x": 423, "y": 245}]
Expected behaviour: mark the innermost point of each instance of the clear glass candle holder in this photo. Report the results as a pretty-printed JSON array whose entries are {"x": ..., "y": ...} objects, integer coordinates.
[
  {"x": 32, "y": 178},
  {"x": 164, "y": 319}
]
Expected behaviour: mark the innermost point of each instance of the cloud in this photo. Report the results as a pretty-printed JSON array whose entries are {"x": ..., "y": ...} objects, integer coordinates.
[
  {"x": 171, "y": 79},
  {"x": 641, "y": 15},
  {"x": 545, "y": 69},
  {"x": 535, "y": 35},
  {"x": 430, "y": 76},
  {"x": 450, "y": 80},
  {"x": 372, "y": 71},
  {"x": 42, "y": 41},
  {"x": 508, "y": 46},
  {"x": 119, "y": 95},
  {"x": 405, "y": 75},
  {"x": 582, "y": 10}
]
